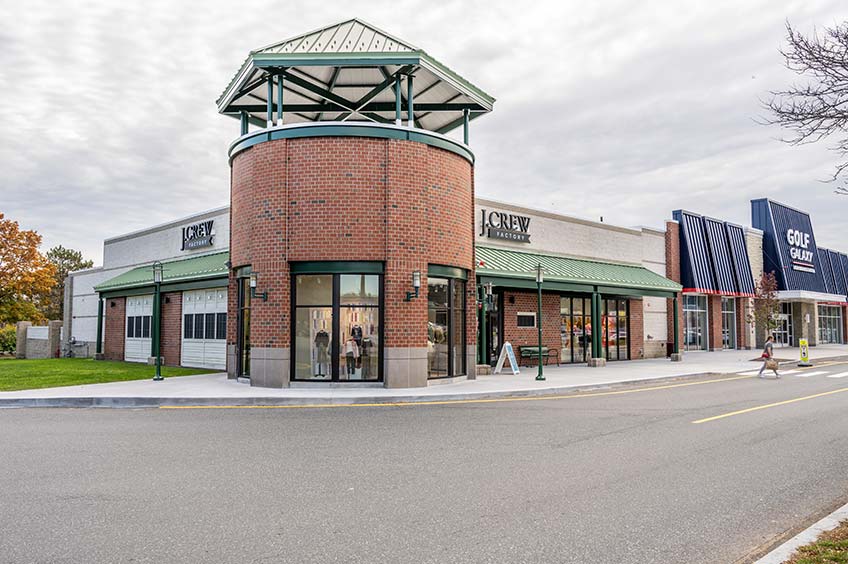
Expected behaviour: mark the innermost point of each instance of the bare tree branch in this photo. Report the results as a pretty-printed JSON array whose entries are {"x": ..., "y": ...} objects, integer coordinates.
[{"x": 818, "y": 109}]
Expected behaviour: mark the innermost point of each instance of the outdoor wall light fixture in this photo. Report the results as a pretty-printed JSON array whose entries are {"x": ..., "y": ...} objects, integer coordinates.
[
  {"x": 111, "y": 304},
  {"x": 416, "y": 285},
  {"x": 254, "y": 276}
]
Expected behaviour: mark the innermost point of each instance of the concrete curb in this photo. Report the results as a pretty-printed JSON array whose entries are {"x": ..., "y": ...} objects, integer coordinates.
[
  {"x": 155, "y": 402},
  {"x": 783, "y": 552}
]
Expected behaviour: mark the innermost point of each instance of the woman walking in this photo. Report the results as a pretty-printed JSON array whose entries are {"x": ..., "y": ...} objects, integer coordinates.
[{"x": 769, "y": 362}]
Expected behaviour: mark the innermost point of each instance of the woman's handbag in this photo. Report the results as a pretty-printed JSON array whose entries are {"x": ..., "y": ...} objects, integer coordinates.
[{"x": 771, "y": 364}]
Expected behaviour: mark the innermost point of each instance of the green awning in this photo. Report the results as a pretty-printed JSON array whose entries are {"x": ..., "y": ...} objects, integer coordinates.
[
  {"x": 521, "y": 267},
  {"x": 183, "y": 270}
]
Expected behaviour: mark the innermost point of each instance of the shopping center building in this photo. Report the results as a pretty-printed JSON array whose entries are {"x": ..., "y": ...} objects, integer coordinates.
[{"x": 354, "y": 250}]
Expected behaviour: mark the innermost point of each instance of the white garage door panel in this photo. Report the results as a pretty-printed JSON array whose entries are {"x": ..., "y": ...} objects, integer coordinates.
[
  {"x": 209, "y": 351},
  {"x": 137, "y": 349}
]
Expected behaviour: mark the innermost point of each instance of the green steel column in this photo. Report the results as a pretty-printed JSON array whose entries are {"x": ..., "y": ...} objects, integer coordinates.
[
  {"x": 410, "y": 110},
  {"x": 676, "y": 348},
  {"x": 540, "y": 375},
  {"x": 397, "y": 100},
  {"x": 270, "y": 105},
  {"x": 279, "y": 99},
  {"x": 596, "y": 325},
  {"x": 244, "y": 123},
  {"x": 99, "y": 349},
  {"x": 157, "y": 320},
  {"x": 483, "y": 326},
  {"x": 465, "y": 118}
]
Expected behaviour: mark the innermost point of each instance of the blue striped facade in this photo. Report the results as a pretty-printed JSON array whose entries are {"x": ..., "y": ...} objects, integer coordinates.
[
  {"x": 775, "y": 220},
  {"x": 840, "y": 284},
  {"x": 713, "y": 256},
  {"x": 827, "y": 271},
  {"x": 741, "y": 260}
]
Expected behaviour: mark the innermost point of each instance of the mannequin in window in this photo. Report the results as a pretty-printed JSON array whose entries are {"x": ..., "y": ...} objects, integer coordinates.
[
  {"x": 356, "y": 333},
  {"x": 351, "y": 354},
  {"x": 365, "y": 355},
  {"x": 322, "y": 358}
]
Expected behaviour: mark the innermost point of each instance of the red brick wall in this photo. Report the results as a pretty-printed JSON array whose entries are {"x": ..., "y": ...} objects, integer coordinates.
[
  {"x": 844, "y": 325},
  {"x": 528, "y": 302},
  {"x": 114, "y": 329},
  {"x": 743, "y": 337},
  {"x": 714, "y": 321},
  {"x": 346, "y": 199},
  {"x": 637, "y": 329},
  {"x": 672, "y": 272},
  {"x": 170, "y": 342}
]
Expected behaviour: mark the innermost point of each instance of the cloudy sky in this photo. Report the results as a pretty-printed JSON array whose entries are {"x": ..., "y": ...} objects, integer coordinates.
[{"x": 619, "y": 109}]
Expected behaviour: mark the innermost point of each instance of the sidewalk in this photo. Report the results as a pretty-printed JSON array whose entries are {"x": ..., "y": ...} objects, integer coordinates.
[{"x": 216, "y": 389}]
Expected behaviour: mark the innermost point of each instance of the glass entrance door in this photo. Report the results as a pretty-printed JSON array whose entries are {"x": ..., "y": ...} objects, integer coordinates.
[
  {"x": 728, "y": 323},
  {"x": 243, "y": 329},
  {"x": 783, "y": 335}
]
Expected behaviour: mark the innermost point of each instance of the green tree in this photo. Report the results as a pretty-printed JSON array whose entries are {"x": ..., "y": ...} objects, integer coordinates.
[
  {"x": 26, "y": 276},
  {"x": 766, "y": 309},
  {"x": 65, "y": 261}
]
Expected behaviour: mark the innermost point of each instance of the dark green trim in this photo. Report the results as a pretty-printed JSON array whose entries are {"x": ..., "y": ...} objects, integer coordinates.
[
  {"x": 676, "y": 347},
  {"x": 266, "y": 60},
  {"x": 634, "y": 292},
  {"x": 243, "y": 271},
  {"x": 450, "y": 126},
  {"x": 217, "y": 282},
  {"x": 99, "y": 347},
  {"x": 522, "y": 283},
  {"x": 440, "y": 271},
  {"x": 337, "y": 267},
  {"x": 332, "y": 129}
]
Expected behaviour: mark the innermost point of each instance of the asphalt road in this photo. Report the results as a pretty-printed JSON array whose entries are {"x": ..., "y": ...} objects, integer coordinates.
[{"x": 600, "y": 478}]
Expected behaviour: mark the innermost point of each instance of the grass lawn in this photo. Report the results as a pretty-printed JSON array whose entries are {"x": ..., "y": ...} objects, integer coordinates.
[
  {"x": 52, "y": 372},
  {"x": 830, "y": 548}
]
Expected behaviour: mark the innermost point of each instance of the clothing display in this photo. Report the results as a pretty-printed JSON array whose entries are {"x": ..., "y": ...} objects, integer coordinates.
[
  {"x": 351, "y": 353},
  {"x": 365, "y": 354},
  {"x": 322, "y": 356}
]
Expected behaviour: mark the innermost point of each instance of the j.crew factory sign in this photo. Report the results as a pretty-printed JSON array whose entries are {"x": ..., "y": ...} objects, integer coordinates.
[
  {"x": 503, "y": 225},
  {"x": 197, "y": 235}
]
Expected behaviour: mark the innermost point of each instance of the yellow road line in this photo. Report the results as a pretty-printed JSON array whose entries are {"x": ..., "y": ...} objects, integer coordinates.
[
  {"x": 776, "y": 404},
  {"x": 453, "y": 402}
]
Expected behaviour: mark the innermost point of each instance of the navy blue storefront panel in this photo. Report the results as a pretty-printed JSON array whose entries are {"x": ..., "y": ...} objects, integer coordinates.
[
  {"x": 696, "y": 270},
  {"x": 741, "y": 260},
  {"x": 827, "y": 271},
  {"x": 720, "y": 256},
  {"x": 839, "y": 283},
  {"x": 789, "y": 246},
  {"x": 843, "y": 260}
]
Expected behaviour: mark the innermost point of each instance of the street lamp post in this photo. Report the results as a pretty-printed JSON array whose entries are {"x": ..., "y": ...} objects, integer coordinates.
[
  {"x": 539, "y": 279},
  {"x": 157, "y": 282}
]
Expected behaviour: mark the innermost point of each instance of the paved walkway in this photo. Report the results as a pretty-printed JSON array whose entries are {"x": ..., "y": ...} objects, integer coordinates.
[{"x": 216, "y": 389}]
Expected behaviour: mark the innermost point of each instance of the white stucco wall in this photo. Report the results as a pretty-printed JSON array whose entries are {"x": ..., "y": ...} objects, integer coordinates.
[
  {"x": 125, "y": 252},
  {"x": 579, "y": 238}
]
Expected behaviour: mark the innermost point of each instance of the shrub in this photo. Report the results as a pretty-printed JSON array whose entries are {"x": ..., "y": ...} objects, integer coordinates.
[{"x": 8, "y": 338}]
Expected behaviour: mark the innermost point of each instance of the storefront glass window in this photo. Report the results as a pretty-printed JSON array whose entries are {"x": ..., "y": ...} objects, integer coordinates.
[
  {"x": 337, "y": 333},
  {"x": 695, "y": 323},
  {"x": 576, "y": 329},
  {"x": 830, "y": 324},
  {"x": 359, "y": 324},
  {"x": 728, "y": 323}
]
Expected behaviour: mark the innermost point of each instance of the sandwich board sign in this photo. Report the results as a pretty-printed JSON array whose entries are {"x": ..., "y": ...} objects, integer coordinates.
[{"x": 507, "y": 353}]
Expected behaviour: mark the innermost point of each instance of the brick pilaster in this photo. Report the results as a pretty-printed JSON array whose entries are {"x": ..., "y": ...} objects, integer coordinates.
[
  {"x": 637, "y": 330},
  {"x": 115, "y": 311}
]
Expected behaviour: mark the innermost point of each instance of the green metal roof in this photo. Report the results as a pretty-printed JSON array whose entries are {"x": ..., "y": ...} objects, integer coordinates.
[
  {"x": 182, "y": 270},
  {"x": 522, "y": 265},
  {"x": 345, "y": 72}
]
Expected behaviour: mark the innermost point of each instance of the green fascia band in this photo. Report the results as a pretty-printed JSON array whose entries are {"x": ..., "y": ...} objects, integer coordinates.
[
  {"x": 336, "y": 130},
  {"x": 439, "y": 271},
  {"x": 217, "y": 282},
  {"x": 337, "y": 267}
]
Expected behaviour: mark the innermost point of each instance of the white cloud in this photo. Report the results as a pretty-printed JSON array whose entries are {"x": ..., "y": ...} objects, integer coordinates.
[{"x": 621, "y": 109}]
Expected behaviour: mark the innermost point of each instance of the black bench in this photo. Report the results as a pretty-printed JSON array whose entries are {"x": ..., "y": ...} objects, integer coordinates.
[{"x": 528, "y": 354}]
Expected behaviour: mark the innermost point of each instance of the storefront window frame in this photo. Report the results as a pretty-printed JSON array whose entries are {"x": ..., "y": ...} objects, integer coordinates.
[
  {"x": 336, "y": 271},
  {"x": 453, "y": 276}
]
